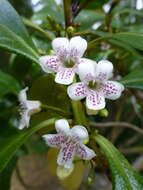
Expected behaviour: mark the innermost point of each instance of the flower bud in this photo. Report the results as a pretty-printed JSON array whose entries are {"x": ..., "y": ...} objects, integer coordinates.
[
  {"x": 103, "y": 113},
  {"x": 63, "y": 173},
  {"x": 70, "y": 30}
]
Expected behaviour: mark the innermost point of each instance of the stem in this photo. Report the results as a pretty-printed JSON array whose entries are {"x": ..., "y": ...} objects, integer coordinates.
[
  {"x": 82, "y": 6},
  {"x": 58, "y": 110},
  {"x": 37, "y": 28},
  {"x": 67, "y": 12},
  {"x": 118, "y": 124},
  {"x": 78, "y": 112}
]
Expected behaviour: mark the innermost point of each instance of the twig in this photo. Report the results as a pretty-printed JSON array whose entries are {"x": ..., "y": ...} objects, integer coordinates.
[
  {"x": 134, "y": 150},
  {"x": 37, "y": 28},
  {"x": 119, "y": 124},
  {"x": 67, "y": 12},
  {"x": 82, "y": 6},
  {"x": 132, "y": 140}
]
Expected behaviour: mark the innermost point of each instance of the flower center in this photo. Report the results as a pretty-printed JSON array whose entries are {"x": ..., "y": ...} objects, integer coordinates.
[
  {"x": 69, "y": 63},
  {"x": 92, "y": 84}
]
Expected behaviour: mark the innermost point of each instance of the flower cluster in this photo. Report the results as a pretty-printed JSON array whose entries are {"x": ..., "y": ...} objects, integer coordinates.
[
  {"x": 70, "y": 142},
  {"x": 94, "y": 84}
]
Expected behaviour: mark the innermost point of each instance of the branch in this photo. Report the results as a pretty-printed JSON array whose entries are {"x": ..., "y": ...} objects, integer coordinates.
[
  {"x": 119, "y": 124},
  {"x": 67, "y": 12},
  {"x": 82, "y": 6}
]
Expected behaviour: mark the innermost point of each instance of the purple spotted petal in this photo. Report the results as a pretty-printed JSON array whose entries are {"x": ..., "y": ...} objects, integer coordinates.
[
  {"x": 49, "y": 64},
  {"x": 84, "y": 152},
  {"x": 65, "y": 76},
  {"x": 66, "y": 154},
  {"x": 77, "y": 91},
  {"x": 55, "y": 140},
  {"x": 77, "y": 47},
  {"x": 61, "y": 47},
  {"x": 111, "y": 89},
  {"x": 95, "y": 101},
  {"x": 104, "y": 71},
  {"x": 86, "y": 69}
]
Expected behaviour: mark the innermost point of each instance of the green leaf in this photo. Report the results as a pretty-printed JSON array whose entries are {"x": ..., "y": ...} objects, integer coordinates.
[
  {"x": 12, "y": 42},
  {"x": 133, "y": 79},
  {"x": 49, "y": 8},
  {"x": 8, "y": 84},
  {"x": 10, "y": 18},
  {"x": 127, "y": 48},
  {"x": 123, "y": 176},
  {"x": 133, "y": 39},
  {"x": 88, "y": 17},
  {"x": 11, "y": 139},
  {"x": 52, "y": 95},
  {"x": 6, "y": 174}
]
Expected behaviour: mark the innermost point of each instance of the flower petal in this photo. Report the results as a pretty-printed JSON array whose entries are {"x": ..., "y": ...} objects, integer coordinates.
[
  {"x": 104, "y": 70},
  {"x": 22, "y": 95},
  {"x": 66, "y": 154},
  {"x": 62, "y": 126},
  {"x": 33, "y": 106},
  {"x": 54, "y": 140},
  {"x": 95, "y": 101},
  {"x": 86, "y": 69},
  {"x": 49, "y": 64},
  {"x": 84, "y": 152},
  {"x": 77, "y": 46},
  {"x": 112, "y": 89},
  {"x": 77, "y": 91},
  {"x": 61, "y": 47},
  {"x": 79, "y": 132},
  {"x": 65, "y": 76},
  {"x": 24, "y": 121}
]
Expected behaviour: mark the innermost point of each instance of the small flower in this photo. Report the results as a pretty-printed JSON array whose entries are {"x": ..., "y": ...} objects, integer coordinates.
[
  {"x": 28, "y": 108},
  {"x": 95, "y": 85},
  {"x": 70, "y": 142},
  {"x": 68, "y": 56}
]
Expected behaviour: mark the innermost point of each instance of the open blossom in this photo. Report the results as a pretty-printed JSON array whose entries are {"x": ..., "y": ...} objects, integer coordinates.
[
  {"x": 95, "y": 85},
  {"x": 70, "y": 142},
  {"x": 68, "y": 56},
  {"x": 28, "y": 108}
]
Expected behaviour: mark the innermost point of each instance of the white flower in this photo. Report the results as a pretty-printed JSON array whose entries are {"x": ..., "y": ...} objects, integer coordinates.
[
  {"x": 68, "y": 56},
  {"x": 70, "y": 142},
  {"x": 28, "y": 108},
  {"x": 95, "y": 85}
]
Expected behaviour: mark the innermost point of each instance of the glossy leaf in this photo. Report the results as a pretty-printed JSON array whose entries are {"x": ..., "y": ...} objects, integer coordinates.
[
  {"x": 11, "y": 139},
  {"x": 8, "y": 84},
  {"x": 89, "y": 17},
  {"x": 123, "y": 176},
  {"x": 51, "y": 94},
  {"x": 5, "y": 175},
  {"x": 10, "y": 18},
  {"x": 133, "y": 79},
  {"x": 133, "y": 39},
  {"x": 49, "y": 8},
  {"x": 12, "y": 42}
]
